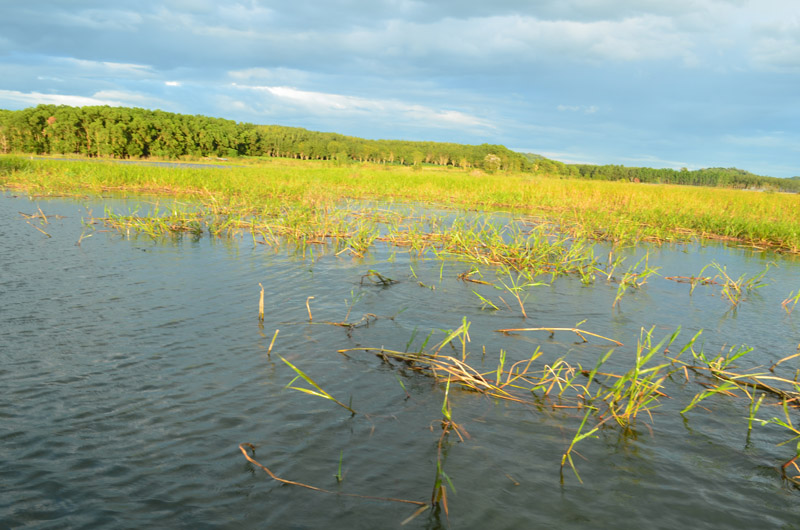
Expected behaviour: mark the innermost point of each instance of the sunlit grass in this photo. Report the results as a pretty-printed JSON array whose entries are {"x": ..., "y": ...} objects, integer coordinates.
[{"x": 614, "y": 211}]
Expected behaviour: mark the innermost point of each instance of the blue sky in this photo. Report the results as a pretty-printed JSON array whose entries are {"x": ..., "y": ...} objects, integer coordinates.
[{"x": 660, "y": 83}]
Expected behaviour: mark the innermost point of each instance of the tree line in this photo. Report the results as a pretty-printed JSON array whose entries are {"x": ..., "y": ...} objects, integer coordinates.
[
  {"x": 714, "y": 177},
  {"x": 124, "y": 133}
]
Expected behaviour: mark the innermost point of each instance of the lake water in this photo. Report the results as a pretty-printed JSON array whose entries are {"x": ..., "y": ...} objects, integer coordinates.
[{"x": 131, "y": 370}]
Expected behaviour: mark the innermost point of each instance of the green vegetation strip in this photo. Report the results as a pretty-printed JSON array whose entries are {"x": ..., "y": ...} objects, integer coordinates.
[{"x": 620, "y": 212}]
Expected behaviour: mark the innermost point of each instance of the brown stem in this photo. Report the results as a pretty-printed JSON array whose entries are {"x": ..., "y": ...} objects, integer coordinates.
[{"x": 272, "y": 475}]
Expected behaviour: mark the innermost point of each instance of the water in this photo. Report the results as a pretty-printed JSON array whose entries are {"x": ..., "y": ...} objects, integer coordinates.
[
  {"x": 184, "y": 165},
  {"x": 131, "y": 370}
]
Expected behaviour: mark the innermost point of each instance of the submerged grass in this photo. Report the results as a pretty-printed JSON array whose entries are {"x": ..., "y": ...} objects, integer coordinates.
[{"x": 605, "y": 399}]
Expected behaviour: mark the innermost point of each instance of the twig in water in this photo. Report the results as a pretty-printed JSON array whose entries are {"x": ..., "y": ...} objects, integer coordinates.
[
  {"x": 271, "y": 344},
  {"x": 578, "y": 332},
  {"x": 261, "y": 305},
  {"x": 272, "y": 475},
  {"x": 308, "y": 306}
]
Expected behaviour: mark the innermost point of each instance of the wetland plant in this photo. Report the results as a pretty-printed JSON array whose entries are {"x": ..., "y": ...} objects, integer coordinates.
[
  {"x": 635, "y": 278},
  {"x": 735, "y": 290},
  {"x": 316, "y": 391},
  {"x": 790, "y": 302}
]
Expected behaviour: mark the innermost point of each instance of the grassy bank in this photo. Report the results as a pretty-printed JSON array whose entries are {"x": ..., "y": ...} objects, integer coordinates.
[{"x": 614, "y": 211}]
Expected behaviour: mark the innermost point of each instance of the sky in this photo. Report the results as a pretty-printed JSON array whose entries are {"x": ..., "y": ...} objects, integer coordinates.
[{"x": 658, "y": 83}]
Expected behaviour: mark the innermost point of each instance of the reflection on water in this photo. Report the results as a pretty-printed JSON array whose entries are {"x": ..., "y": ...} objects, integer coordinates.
[{"x": 131, "y": 370}]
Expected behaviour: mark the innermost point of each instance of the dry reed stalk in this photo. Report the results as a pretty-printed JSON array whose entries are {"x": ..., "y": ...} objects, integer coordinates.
[
  {"x": 271, "y": 344},
  {"x": 39, "y": 229},
  {"x": 261, "y": 306},
  {"x": 703, "y": 280},
  {"x": 578, "y": 332},
  {"x": 308, "y": 307},
  {"x": 314, "y": 488},
  {"x": 444, "y": 367},
  {"x": 757, "y": 382},
  {"x": 792, "y": 462},
  {"x": 772, "y": 368}
]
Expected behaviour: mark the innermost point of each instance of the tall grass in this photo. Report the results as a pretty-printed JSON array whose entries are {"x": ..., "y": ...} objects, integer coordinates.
[{"x": 614, "y": 211}]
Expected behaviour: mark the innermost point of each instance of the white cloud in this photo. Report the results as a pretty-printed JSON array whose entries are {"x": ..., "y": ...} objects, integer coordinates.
[
  {"x": 112, "y": 98},
  {"x": 127, "y": 98},
  {"x": 525, "y": 39},
  {"x": 37, "y": 98},
  {"x": 172, "y": 83},
  {"x": 322, "y": 103},
  {"x": 107, "y": 69}
]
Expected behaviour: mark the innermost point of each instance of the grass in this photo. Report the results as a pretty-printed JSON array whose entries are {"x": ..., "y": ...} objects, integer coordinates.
[
  {"x": 613, "y": 211},
  {"x": 316, "y": 390},
  {"x": 604, "y": 399}
]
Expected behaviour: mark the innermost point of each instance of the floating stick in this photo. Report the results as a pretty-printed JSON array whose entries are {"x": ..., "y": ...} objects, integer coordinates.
[
  {"x": 271, "y": 344},
  {"x": 261, "y": 308},
  {"x": 308, "y": 306},
  {"x": 578, "y": 332},
  {"x": 292, "y": 483}
]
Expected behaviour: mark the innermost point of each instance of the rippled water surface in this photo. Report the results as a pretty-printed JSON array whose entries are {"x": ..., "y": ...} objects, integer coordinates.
[{"x": 131, "y": 369}]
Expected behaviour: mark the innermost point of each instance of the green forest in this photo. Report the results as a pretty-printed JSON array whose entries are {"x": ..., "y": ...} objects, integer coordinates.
[{"x": 135, "y": 133}]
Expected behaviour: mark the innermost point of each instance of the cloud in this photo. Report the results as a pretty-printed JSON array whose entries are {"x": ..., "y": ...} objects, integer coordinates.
[
  {"x": 127, "y": 98},
  {"x": 105, "y": 68},
  {"x": 485, "y": 42},
  {"x": 274, "y": 76},
  {"x": 777, "y": 47},
  {"x": 103, "y": 19},
  {"x": 112, "y": 98},
  {"x": 321, "y": 103},
  {"x": 21, "y": 99},
  {"x": 591, "y": 109}
]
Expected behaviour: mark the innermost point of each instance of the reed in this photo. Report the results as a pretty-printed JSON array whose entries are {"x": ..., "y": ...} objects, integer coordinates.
[
  {"x": 316, "y": 391},
  {"x": 635, "y": 277},
  {"x": 790, "y": 302},
  {"x": 794, "y": 432},
  {"x": 735, "y": 290},
  {"x": 614, "y": 211},
  {"x": 339, "y": 476},
  {"x": 579, "y": 435},
  {"x": 272, "y": 342},
  {"x": 261, "y": 306}
]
